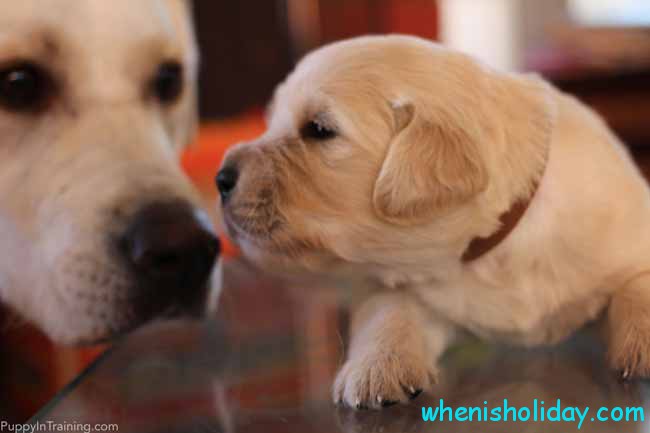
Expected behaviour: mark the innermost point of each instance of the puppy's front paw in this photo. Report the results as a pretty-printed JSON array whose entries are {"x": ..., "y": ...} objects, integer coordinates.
[
  {"x": 629, "y": 333},
  {"x": 631, "y": 357},
  {"x": 382, "y": 379},
  {"x": 629, "y": 352}
]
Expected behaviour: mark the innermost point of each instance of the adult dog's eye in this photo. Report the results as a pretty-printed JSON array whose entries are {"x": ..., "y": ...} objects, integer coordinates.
[
  {"x": 168, "y": 82},
  {"x": 25, "y": 87},
  {"x": 316, "y": 131}
]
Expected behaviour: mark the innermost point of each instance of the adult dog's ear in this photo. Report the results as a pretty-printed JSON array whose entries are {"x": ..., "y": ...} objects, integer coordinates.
[{"x": 431, "y": 165}]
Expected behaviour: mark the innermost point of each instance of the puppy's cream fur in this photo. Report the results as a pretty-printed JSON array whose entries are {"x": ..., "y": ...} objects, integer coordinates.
[
  {"x": 431, "y": 148},
  {"x": 71, "y": 175}
]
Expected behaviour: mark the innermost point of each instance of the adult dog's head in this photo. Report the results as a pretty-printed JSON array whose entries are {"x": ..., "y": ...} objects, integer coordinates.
[
  {"x": 99, "y": 229},
  {"x": 388, "y": 152}
]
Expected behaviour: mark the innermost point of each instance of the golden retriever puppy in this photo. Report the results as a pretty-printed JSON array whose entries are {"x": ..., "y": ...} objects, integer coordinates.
[
  {"x": 482, "y": 201},
  {"x": 100, "y": 230}
]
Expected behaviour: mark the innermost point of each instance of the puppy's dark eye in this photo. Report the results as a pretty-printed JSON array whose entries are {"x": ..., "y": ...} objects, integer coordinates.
[
  {"x": 168, "y": 82},
  {"x": 315, "y": 130},
  {"x": 25, "y": 87}
]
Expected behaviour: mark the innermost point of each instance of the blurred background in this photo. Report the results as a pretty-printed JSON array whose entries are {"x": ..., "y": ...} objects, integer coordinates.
[{"x": 598, "y": 50}]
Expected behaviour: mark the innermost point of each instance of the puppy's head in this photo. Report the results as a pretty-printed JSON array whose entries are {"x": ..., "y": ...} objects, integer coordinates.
[
  {"x": 385, "y": 152},
  {"x": 99, "y": 228}
]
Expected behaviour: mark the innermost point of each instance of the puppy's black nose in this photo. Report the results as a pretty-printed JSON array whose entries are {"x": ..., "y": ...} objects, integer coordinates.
[
  {"x": 169, "y": 245},
  {"x": 226, "y": 181}
]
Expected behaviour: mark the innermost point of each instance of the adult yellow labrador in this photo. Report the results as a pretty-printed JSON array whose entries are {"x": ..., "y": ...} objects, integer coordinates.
[
  {"x": 481, "y": 201},
  {"x": 99, "y": 228}
]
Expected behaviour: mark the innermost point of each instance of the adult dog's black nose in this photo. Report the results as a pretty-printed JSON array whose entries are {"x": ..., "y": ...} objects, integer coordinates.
[
  {"x": 226, "y": 181},
  {"x": 169, "y": 245}
]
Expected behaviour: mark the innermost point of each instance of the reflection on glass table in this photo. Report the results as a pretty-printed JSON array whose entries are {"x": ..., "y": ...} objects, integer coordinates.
[{"x": 266, "y": 364}]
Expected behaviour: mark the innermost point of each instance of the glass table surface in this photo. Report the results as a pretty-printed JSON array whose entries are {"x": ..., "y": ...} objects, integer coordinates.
[{"x": 266, "y": 361}]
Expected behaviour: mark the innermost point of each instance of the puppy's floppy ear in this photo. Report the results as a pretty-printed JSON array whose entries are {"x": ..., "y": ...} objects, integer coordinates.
[
  {"x": 437, "y": 159},
  {"x": 431, "y": 164}
]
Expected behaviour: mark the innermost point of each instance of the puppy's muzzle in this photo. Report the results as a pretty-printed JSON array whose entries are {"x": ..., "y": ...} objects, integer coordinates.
[
  {"x": 171, "y": 250},
  {"x": 250, "y": 192}
]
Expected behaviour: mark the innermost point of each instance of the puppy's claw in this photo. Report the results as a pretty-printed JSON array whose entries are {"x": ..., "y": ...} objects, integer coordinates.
[
  {"x": 413, "y": 393},
  {"x": 385, "y": 403},
  {"x": 624, "y": 375},
  {"x": 360, "y": 406}
]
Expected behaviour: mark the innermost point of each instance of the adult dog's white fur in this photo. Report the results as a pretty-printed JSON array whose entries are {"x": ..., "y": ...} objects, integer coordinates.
[
  {"x": 70, "y": 175},
  {"x": 430, "y": 149}
]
